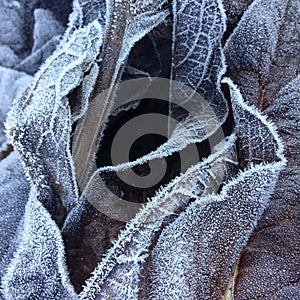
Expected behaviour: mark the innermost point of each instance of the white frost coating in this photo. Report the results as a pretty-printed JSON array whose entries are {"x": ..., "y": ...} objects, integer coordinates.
[
  {"x": 13, "y": 198},
  {"x": 198, "y": 59},
  {"x": 45, "y": 28},
  {"x": 38, "y": 269},
  {"x": 243, "y": 109},
  {"x": 43, "y": 112},
  {"x": 215, "y": 233},
  {"x": 207, "y": 62},
  {"x": 12, "y": 83},
  {"x": 118, "y": 274},
  {"x": 253, "y": 42},
  {"x": 260, "y": 47}
]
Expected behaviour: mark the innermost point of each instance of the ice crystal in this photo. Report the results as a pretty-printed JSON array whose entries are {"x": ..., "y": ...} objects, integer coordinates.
[
  {"x": 37, "y": 269},
  {"x": 13, "y": 198},
  {"x": 198, "y": 250},
  {"x": 43, "y": 111}
]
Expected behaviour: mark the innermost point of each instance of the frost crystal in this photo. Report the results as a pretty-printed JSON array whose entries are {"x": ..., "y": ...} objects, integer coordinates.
[
  {"x": 262, "y": 47},
  {"x": 13, "y": 83},
  {"x": 43, "y": 112},
  {"x": 122, "y": 271},
  {"x": 38, "y": 270},
  {"x": 13, "y": 198},
  {"x": 199, "y": 249}
]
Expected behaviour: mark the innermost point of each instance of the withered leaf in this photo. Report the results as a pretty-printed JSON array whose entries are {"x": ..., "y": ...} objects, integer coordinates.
[
  {"x": 13, "y": 198},
  {"x": 40, "y": 121},
  {"x": 269, "y": 266},
  {"x": 194, "y": 255},
  {"x": 37, "y": 270},
  {"x": 122, "y": 273},
  {"x": 263, "y": 53}
]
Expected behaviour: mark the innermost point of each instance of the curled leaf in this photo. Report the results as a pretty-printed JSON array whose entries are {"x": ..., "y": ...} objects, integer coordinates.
[
  {"x": 38, "y": 270},
  {"x": 273, "y": 249},
  {"x": 194, "y": 255},
  {"x": 262, "y": 52},
  {"x": 13, "y": 198},
  {"x": 43, "y": 113},
  {"x": 127, "y": 260}
]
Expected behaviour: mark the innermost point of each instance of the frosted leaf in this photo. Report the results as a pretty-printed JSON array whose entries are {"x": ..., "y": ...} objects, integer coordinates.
[
  {"x": 32, "y": 63},
  {"x": 256, "y": 144},
  {"x": 262, "y": 52},
  {"x": 265, "y": 28},
  {"x": 194, "y": 255},
  {"x": 120, "y": 274},
  {"x": 85, "y": 12},
  {"x": 93, "y": 10},
  {"x": 261, "y": 146},
  {"x": 27, "y": 23},
  {"x": 40, "y": 121},
  {"x": 274, "y": 268},
  {"x": 38, "y": 270},
  {"x": 198, "y": 59},
  {"x": 8, "y": 57},
  {"x": 234, "y": 11},
  {"x": 13, "y": 197},
  {"x": 17, "y": 24},
  {"x": 12, "y": 26},
  {"x": 113, "y": 55},
  {"x": 45, "y": 28},
  {"x": 12, "y": 84},
  {"x": 47, "y": 34}
]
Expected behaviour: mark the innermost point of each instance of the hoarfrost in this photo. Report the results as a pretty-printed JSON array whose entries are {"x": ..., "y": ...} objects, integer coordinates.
[
  {"x": 12, "y": 83},
  {"x": 214, "y": 234},
  {"x": 121, "y": 273},
  {"x": 38, "y": 270},
  {"x": 264, "y": 46},
  {"x": 13, "y": 198},
  {"x": 43, "y": 112}
]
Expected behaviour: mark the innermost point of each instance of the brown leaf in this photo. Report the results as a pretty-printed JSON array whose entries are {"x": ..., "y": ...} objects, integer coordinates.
[
  {"x": 270, "y": 264},
  {"x": 263, "y": 51}
]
